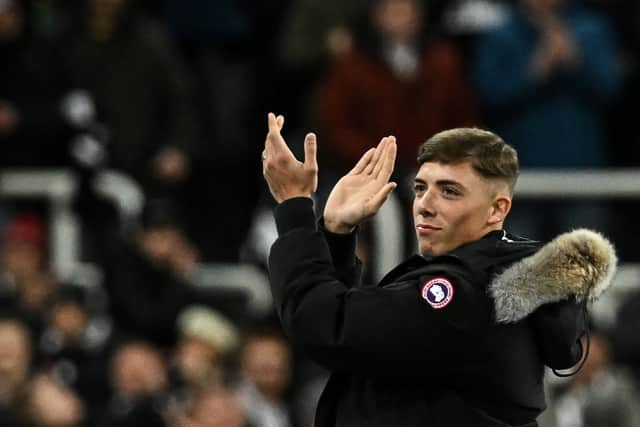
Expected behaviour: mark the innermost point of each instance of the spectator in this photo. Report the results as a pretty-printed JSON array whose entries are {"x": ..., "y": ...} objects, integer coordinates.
[
  {"x": 146, "y": 279},
  {"x": 129, "y": 66},
  {"x": 549, "y": 102},
  {"x": 215, "y": 408},
  {"x": 33, "y": 129},
  {"x": 599, "y": 395},
  {"x": 206, "y": 339},
  {"x": 139, "y": 380},
  {"x": 25, "y": 247},
  {"x": 15, "y": 360},
  {"x": 314, "y": 34},
  {"x": 265, "y": 377},
  {"x": 31, "y": 298},
  {"x": 76, "y": 347},
  {"x": 624, "y": 142},
  {"x": 51, "y": 404},
  {"x": 545, "y": 78},
  {"x": 398, "y": 80},
  {"x": 215, "y": 39},
  {"x": 624, "y": 337},
  {"x": 26, "y": 282}
]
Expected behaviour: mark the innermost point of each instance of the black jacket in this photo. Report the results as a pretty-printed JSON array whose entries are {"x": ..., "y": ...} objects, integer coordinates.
[{"x": 402, "y": 355}]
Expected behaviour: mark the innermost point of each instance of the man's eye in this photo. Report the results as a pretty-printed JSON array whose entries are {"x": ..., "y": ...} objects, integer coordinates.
[
  {"x": 450, "y": 192},
  {"x": 418, "y": 188}
]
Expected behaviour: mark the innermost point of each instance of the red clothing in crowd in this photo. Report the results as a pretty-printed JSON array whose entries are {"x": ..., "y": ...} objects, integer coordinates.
[{"x": 364, "y": 100}]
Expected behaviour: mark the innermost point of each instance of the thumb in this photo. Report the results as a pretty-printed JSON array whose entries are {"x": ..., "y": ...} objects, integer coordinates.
[{"x": 310, "y": 150}]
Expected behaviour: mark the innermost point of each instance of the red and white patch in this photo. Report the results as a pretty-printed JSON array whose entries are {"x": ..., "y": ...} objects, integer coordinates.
[{"x": 438, "y": 292}]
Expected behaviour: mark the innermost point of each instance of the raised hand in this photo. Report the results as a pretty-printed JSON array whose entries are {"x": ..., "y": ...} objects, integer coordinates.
[
  {"x": 359, "y": 194},
  {"x": 286, "y": 176}
]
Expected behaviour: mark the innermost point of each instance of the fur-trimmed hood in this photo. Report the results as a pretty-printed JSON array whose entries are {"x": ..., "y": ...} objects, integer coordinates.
[{"x": 578, "y": 264}]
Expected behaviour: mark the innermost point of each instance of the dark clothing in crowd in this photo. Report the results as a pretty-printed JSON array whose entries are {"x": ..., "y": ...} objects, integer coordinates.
[
  {"x": 146, "y": 298},
  {"x": 139, "y": 86},
  {"x": 401, "y": 356},
  {"x": 34, "y": 83},
  {"x": 216, "y": 41},
  {"x": 132, "y": 413},
  {"x": 82, "y": 366}
]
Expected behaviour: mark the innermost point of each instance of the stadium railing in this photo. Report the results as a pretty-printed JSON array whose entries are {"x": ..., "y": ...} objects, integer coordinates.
[{"x": 59, "y": 187}]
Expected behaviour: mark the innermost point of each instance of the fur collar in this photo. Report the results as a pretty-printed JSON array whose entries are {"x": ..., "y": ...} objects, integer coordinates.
[{"x": 577, "y": 264}]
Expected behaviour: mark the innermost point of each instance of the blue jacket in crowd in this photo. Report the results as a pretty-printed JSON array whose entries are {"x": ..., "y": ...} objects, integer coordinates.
[{"x": 559, "y": 121}]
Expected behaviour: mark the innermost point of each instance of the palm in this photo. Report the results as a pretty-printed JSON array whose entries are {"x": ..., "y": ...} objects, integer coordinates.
[
  {"x": 359, "y": 195},
  {"x": 286, "y": 176},
  {"x": 351, "y": 198}
]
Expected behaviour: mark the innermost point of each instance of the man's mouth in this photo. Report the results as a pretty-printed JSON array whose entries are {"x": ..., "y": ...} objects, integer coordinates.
[{"x": 424, "y": 229}]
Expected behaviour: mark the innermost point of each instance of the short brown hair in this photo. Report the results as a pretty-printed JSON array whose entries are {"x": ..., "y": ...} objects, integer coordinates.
[{"x": 488, "y": 154}]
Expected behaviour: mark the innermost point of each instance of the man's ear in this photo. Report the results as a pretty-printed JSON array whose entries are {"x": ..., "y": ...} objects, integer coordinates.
[{"x": 499, "y": 209}]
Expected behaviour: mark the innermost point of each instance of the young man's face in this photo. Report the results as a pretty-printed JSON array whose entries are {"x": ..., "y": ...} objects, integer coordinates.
[{"x": 454, "y": 205}]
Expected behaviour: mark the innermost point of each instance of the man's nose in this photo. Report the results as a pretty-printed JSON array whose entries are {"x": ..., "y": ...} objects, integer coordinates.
[{"x": 426, "y": 204}]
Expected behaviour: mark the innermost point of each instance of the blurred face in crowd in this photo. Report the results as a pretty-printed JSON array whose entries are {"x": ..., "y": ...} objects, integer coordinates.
[
  {"x": 34, "y": 290},
  {"x": 138, "y": 370},
  {"x": 53, "y": 405},
  {"x": 399, "y": 20},
  {"x": 266, "y": 363},
  {"x": 454, "y": 205},
  {"x": 196, "y": 358},
  {"x": 217, "y": 408},
  {"x": 23, "y": 258},
  {"x": 15, "y": 356},
  {"x": 11, "y": 22},
  {"x": 159, "y": 243},
  {"x": 70, "y": 319}
]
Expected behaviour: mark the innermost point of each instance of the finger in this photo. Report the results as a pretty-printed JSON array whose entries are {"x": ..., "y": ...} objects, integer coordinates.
[
  {"x": 273, "y": 132},
  {"x": 363, "y": 162},
  {"x": 383, "y": 155},
  {"x": 310, "y": 150},
  {"x": 384, "y": 168},
  {"x": 275, "y": 143},
  {"x": 381, "y": 196},
  {"x": 280, "y": 121},
  {"x": 272, "y": 123},
  {"x": 376, "y": 156}
]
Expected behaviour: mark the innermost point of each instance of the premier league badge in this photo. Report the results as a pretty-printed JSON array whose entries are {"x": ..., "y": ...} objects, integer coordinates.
[{"x": 437, "y": 292}]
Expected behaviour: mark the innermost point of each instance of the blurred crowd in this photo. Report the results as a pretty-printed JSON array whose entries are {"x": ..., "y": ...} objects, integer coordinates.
[{"x": 174, "y": 94}]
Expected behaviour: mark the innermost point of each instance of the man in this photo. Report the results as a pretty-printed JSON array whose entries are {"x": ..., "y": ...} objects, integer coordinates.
[
  {"x": 16, "y": 355},
  {"x": 399, "y": 355}
]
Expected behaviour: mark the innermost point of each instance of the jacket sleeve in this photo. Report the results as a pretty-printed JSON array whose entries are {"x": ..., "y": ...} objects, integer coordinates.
[
  {"x": 374, "y": 331},
  {"x": 343, "y": 255}
]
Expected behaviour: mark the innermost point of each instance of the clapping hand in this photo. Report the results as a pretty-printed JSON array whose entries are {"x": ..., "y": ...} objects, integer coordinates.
[
  {"x": 286, "y": 176},
  {"x": 557, "y": 48},
  {"x": 360, "y": 194}
]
